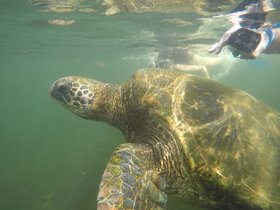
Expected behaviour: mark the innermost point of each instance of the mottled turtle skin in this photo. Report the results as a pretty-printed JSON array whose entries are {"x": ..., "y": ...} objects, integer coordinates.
[
  {"x": 185, "y": 135},
  {"x": 204, "y": 7}
]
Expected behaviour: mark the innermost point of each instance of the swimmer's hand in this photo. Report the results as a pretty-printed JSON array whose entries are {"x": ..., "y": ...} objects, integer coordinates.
[{"x": 216, "y": 48}]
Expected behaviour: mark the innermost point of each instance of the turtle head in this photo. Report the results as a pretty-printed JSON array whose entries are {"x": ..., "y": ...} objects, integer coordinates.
[{"x": 82, "y": 96}]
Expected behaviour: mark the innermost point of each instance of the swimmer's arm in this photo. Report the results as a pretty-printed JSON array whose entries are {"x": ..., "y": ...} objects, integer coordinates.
[
  {"x": 274, "y": 47},
  {"x": 217, "y": 48},
  {"x": 260, "y": 48}
]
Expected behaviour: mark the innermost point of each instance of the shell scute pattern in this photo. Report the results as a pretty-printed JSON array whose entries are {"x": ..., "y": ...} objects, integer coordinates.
[{"x": 202, "y": 103}]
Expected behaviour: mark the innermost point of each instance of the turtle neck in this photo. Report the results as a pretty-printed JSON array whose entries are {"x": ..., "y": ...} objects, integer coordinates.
[{"x": 113, "y": 108}]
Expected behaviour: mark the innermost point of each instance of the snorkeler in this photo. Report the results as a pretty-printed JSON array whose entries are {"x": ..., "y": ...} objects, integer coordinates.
[
  {"x": 192, "y": 59},
  {"x": 251, "y": 35},
  {"x": 181, "y": 59}
]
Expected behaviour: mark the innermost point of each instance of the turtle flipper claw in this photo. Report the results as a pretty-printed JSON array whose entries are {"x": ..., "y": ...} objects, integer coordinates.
[{"x": 130, "y": 182}]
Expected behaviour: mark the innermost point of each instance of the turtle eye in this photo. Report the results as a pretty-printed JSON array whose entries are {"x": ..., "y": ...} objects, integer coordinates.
[{"x": 65, "y": 88}]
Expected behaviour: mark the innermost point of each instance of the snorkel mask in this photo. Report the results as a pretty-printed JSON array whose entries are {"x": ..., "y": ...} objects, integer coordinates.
[{"x": 244, "y": 40}]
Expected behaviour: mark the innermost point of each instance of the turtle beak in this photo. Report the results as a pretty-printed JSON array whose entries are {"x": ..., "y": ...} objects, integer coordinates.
[{"x": 60, "y": 90}]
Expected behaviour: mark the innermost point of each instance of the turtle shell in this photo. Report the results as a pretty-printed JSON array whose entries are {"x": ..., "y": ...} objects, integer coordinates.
[{"x": 229, "y": 141}]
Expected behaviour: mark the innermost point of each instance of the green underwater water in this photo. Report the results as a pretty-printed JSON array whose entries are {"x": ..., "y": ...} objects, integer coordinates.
[{"x": 49, "y": 158}]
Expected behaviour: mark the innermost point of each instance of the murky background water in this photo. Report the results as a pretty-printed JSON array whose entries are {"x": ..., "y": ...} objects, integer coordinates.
[{"x": 51, "y": 159}]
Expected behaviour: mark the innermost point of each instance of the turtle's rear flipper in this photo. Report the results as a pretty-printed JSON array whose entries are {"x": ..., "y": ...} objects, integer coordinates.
[{"x": 130, "y": 181}]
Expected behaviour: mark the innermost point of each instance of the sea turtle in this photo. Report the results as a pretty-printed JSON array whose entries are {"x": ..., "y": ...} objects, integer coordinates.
[{"x": 186, "y": 135}]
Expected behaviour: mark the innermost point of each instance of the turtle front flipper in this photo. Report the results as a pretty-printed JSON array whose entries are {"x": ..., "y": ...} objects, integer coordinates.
[{"x": 130, "y": 180}]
